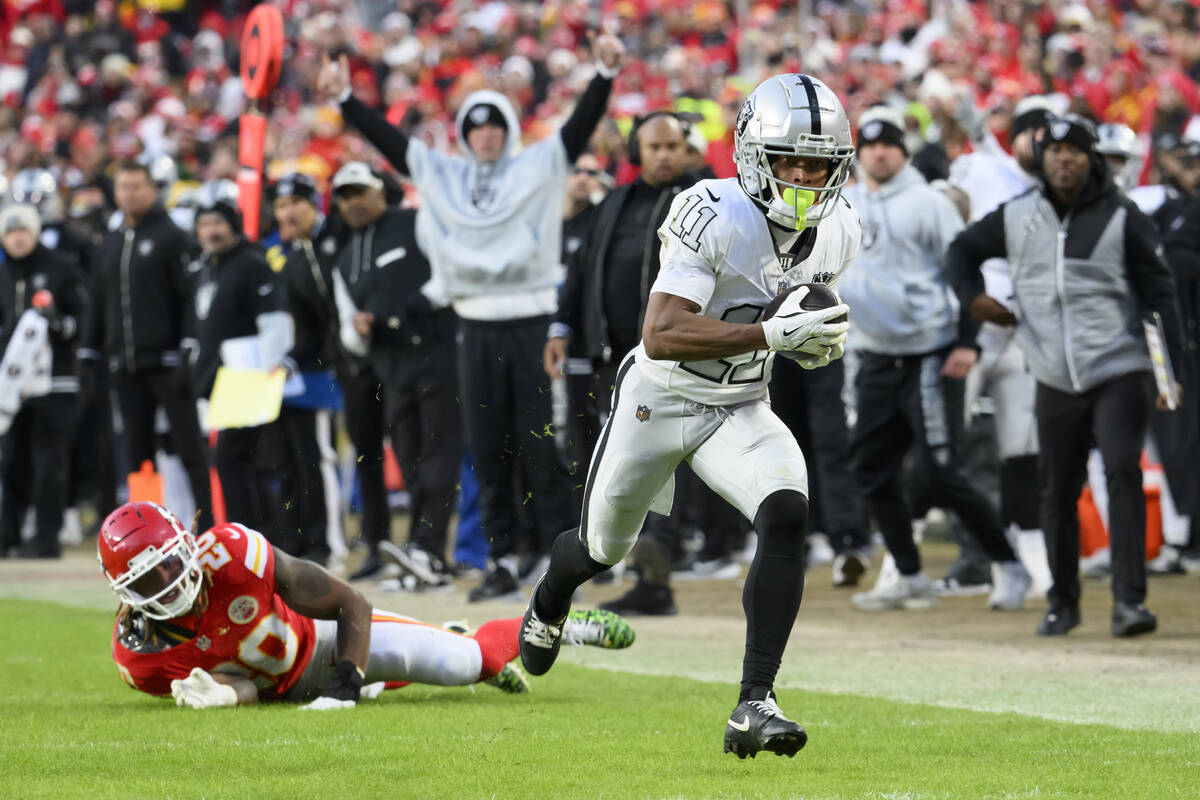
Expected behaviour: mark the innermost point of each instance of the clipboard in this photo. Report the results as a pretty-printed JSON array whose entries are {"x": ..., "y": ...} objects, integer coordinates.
[
  {"x": 245, "y": 398},
  {"x": 1160, "y": 360}
]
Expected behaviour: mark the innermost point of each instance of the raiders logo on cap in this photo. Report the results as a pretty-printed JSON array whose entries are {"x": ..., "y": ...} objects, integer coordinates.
[
  {"x": 872, "y": 130},
  {"x": 1059, "y": 129},
  {"x": 479, "y": 114}
]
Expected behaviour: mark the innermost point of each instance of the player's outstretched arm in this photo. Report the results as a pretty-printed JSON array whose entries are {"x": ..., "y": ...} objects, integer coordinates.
[
  {"x": 313, "y": 592},
  {"x": 674, "y": 330}
]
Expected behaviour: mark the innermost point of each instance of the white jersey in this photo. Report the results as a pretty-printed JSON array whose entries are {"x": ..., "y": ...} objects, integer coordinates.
[{"x": 718, "y": 252}]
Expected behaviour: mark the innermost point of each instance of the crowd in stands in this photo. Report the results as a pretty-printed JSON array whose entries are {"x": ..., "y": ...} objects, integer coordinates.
[{"x": 87, "y": 86}]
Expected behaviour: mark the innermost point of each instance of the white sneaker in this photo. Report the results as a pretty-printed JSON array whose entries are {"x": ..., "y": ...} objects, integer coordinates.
[
  {"x": 1097, "y": 566},
  {"x": 718, "y": 569},
  {"x": 1011, "y": 581},
  {"x": 1167, "y": 562},
  {"x": 820, "y": 551},
  {"x": 911, "y": 593}
]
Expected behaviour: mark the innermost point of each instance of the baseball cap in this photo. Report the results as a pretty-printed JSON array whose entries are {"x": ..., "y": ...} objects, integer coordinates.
[{"x": 356, "y": 173}]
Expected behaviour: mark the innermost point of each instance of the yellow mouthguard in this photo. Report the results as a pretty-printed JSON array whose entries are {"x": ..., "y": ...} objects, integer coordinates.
[{"x": 801, "y": 200}]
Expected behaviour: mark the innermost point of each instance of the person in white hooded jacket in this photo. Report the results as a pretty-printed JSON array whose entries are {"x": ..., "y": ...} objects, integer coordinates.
[
  {"x": 915, "y": 350},
  {"x": 490, "y": 224}
]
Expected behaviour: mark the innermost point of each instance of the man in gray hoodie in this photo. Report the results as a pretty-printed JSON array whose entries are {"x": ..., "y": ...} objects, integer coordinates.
[
  {"x": 490, "y": 224},
  {"x": 915, "y": 352}
]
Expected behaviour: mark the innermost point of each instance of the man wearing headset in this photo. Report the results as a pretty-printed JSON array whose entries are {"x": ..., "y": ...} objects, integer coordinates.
[{"x": 603, "y": 302}]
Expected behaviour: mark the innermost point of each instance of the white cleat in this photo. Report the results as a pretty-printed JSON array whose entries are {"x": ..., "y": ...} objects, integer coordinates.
[
  {"x": 911, "y": 593},
  {"x": 1011, "y": 582}
]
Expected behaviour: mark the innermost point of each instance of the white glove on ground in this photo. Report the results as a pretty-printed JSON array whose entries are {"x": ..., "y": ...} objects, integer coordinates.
[
  {"x": 199, "y": 690},
  {"x": 793, "y": 328},
  {"x": 327, "y": 704}
]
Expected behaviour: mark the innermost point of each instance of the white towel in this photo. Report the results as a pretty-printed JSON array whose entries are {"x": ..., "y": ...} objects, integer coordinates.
[{"x": 25, "y": 370}]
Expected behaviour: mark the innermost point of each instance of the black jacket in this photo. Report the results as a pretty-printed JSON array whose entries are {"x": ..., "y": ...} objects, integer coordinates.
[
  {"x": 384, "y": 271},
  {"x": 140, "y": 295},
  {"x": 1143, "y": 270},
  {"x": 308, "y": 274},
  {"x": 231, "y": 292},
  {"x": 20, "y": 279},
  {"x": 581, "y": 300},
  {"x": 73, "y": 247},
  {"x": 1181, "y": 240}
]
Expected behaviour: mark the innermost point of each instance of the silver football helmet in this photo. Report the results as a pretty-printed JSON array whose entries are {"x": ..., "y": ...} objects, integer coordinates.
[
  {"x": 792, "y": 115},
  {"x": 1123, "y": 151},
  {"x": 163, "y": 172},
  {"x": 37, "y": 187}
]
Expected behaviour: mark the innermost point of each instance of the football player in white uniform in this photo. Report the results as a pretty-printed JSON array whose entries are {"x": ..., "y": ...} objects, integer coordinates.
[{"x": 695, "y": 389}]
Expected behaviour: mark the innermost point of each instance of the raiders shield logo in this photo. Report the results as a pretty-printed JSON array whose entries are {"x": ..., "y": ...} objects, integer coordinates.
[
  {"x": 643, "y": 414},
  {"x": 870, "y": 232},
  {"x": 872, "y": 130},
  {"x": 1059, "y": 130}
]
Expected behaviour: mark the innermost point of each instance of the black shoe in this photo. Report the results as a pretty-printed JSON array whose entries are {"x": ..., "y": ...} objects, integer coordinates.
[
  {"x": 757, "y": 725},
  {"x": 1058, "y": 621},
  {"x": 370, "y": 568},
  {"x": 653, "y": 599},
  {"x": 539, "y": 640},
  {"x": 498, "y": 582},
  {"x": 1129, "y": 619}
]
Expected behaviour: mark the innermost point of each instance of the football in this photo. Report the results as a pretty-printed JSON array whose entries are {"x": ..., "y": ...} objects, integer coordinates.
[{"x": 819, "y": 296}]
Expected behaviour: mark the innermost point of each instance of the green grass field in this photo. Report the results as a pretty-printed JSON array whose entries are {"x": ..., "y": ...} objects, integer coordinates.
[{"x": 70, "y": 728}]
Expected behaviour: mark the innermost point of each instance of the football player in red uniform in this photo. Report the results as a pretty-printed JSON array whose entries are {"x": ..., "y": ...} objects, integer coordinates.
[{"x": 225, "y": 619}]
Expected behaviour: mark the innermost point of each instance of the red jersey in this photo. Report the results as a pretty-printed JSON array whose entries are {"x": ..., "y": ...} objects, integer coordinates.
[{"x": 246, "y": 630}]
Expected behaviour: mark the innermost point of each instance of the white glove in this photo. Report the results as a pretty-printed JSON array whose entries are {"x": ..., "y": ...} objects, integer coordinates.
[
  {"x": 793, "y": 328},
  {"x": 327, "y": 704},
  {"x": 199, "y": 690},
  {"x": 807, "y": 360}
]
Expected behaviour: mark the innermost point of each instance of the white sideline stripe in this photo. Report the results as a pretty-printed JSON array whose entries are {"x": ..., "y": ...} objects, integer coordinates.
[{"x": 1191, "y": 726}]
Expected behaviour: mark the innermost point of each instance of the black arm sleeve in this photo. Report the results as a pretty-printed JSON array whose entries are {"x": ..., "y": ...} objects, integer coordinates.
[
  {"x": 978, "y": 242},
  {"x": 578, "y": 129},
  {"x": 75, "y": 301},
  {"x": 91, "y": 336},
  {"x": 387, "y": 139},
  {"x": 1151, "y": 279},
  {"x": 1182, "y": 243}
]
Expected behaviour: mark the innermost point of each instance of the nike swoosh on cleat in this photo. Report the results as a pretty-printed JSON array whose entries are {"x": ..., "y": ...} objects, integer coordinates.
[
  {"x": 743, "y": 726},
  {"x": 712, "y": 196}
]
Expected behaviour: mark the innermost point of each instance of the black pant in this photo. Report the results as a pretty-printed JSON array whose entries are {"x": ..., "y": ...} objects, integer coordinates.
[
  {"x": 903, "y": 400},
  {"x": 426, "y": 432},
  {"x": 362, "y": 396},
  {"x": 33, "y": 463},
  {"x": 139, "y": 396},
  {"x": 507, "y": 415},
  {"x": 241, "y": 455},
  {"x": 93, "y": 466},
  {"x": 1114, "y": 417},
  {"x": 302, "y": 484},
  {"x": 1177, "y": 436},
  {"x": 810, "y": 403}
]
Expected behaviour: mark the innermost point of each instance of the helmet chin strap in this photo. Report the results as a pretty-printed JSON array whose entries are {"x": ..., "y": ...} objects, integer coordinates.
[{"x": 792, "y": 208}]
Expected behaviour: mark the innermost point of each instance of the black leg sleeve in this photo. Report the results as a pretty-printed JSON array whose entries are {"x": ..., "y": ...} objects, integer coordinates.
[
  {"x": 774, "y": 587},
  {"x": 570, "y": 567}
]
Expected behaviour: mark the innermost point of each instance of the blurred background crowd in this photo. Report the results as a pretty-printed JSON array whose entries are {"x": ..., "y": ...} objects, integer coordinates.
[{"x": 87, "y": 86}]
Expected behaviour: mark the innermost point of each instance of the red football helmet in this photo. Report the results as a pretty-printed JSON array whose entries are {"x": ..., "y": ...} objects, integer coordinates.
[{"x": 150, "y": 561}]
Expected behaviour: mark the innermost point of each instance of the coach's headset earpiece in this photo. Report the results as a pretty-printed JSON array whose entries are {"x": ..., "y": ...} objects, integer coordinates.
[{"x": 635, "y": 152}]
